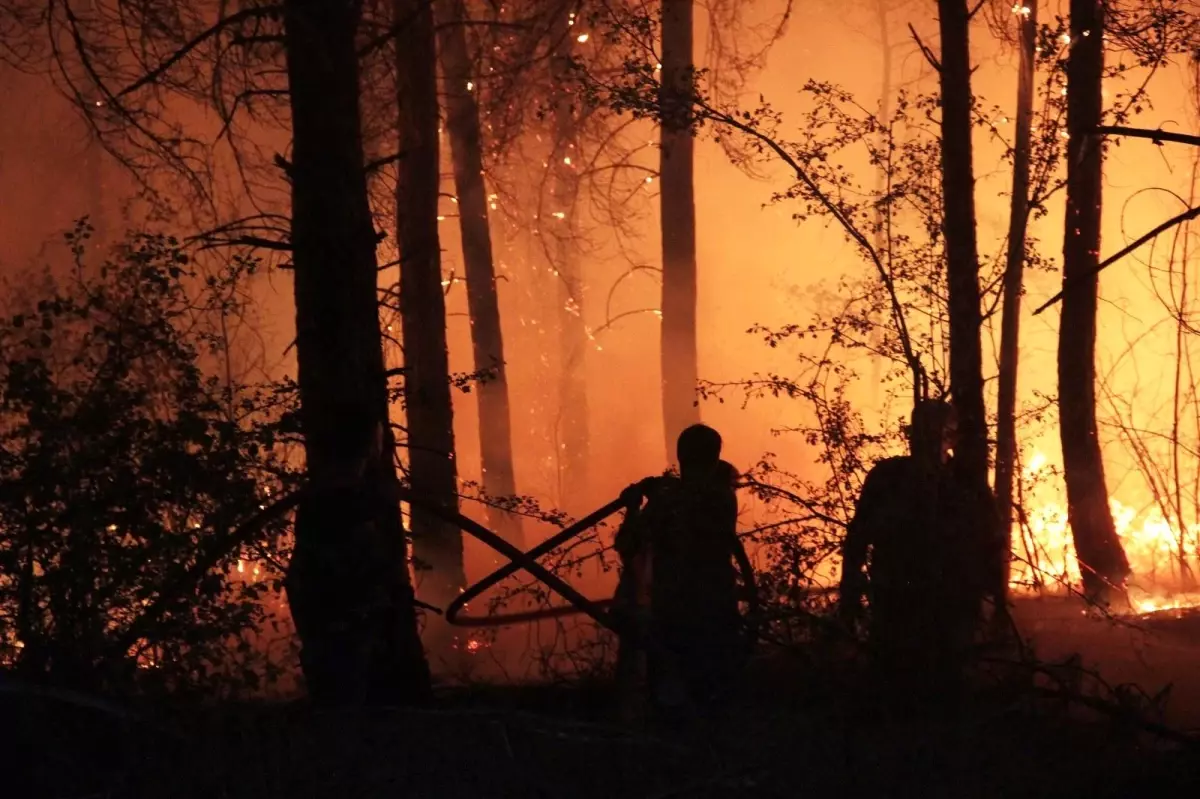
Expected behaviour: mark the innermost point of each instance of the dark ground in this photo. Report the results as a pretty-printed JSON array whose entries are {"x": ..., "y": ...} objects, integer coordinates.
[{"x": 796, "y": 730}]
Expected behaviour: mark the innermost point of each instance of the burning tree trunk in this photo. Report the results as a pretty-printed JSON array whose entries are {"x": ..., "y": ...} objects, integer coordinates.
[
  {"x": 437, "y": 546},
  {"x": 348, "y": 580},
  {"x": 678, "y": 219},
  {"x": 962, "y": 267},
  {"x": 1101, "y": 557},
  {"x": 1010, "y": 324},
  {"x": 483, "y": 305},
  {"x": 572, "y": 429}
]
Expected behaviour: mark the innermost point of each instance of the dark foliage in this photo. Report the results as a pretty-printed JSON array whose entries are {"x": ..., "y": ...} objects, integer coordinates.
[{"x": 124, "y": 470}]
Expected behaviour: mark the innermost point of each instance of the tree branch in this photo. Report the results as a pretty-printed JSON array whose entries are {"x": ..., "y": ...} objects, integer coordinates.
[
  {"x": 1156, "y": 136},
  {"x": 1186, "y": 216},
  {"x": 925, "y": 51},
  {"x": 233, "y": 19}
]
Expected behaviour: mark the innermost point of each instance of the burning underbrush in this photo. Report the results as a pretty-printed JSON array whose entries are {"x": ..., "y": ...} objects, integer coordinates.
[{"x": 1163, "y": 554}]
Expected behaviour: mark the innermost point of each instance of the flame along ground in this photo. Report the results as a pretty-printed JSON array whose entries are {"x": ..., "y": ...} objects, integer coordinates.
[{"x": 1164, "y": 557}]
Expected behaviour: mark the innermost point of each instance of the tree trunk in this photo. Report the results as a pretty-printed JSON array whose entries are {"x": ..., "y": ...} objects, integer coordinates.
[
  {"x": 678, "y": 219},
  {"x": 437, "y": 546},
  {"x": 571, "y": 434},
  {"x": 483, "y": 305},
  {"x": 348, "y": 583},
  {"x": 882, "y": 238},
  {"x": 1010, "y": 324},
  {"x": 97, "y": 196},
  {"x": 1101, "y": 556},
  {"x": 962, "y": 267}
]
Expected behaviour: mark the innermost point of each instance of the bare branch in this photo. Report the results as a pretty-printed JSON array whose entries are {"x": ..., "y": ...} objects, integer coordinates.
[
  {"x": 215, "y": 30},
  {"x": 1179, "y": 219},
  {"x": 1156, "y": 136},
  {"x": 925, "y": 51}
]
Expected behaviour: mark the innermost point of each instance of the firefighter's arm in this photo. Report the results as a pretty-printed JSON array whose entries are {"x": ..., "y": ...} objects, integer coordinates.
[
  {"x": 626, "y": 542},
  {"x": 749, "y": 584},
  {"x": 855, "y": 545}
]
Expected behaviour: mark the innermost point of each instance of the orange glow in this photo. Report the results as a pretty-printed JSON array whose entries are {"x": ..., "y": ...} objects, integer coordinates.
[{"x": 1044, "y": 551}]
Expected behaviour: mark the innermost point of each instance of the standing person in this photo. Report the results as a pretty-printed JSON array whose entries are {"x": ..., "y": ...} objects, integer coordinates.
[
  {"x": 683, "y": 544},
  {"x": 921, "y": 584}
]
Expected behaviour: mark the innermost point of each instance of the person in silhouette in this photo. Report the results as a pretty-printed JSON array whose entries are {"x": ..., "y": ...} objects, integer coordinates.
[
  {"x": 910, "y": 518},
  {"x": 678, "y": 553}
]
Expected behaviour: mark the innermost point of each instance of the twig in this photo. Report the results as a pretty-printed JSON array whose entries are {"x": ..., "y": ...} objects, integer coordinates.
[{"x": 925, "y": 51}]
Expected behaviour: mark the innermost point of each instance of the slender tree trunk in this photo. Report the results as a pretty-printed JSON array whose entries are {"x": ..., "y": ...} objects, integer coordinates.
[
  {"x": 882, "y": 238},
  {"x": 962, "y": 267},
  {"x": 1010, "y": 323},
  {"x": 572, "y": 429},
  {"x": 96, "y": 192},
  {"x": 678, "y": 219},
  {"x": 483, "y": 305},
  {"x": 437, "y": 546},
  {"x": 1101, "y": 556},
  {"x": 348, "y": 583}
]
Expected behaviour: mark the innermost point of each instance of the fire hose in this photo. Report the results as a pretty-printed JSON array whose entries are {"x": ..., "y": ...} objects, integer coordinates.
[
  {"x": 528, "y": 561},
  {"x": 598, "y": 610}
]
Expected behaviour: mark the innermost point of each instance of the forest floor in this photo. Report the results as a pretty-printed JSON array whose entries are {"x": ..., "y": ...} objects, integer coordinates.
[{"x": 797, "y": 728}]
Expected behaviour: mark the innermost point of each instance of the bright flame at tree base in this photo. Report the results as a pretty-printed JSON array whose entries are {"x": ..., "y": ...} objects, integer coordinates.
[{"x": 1164, "y": 557}]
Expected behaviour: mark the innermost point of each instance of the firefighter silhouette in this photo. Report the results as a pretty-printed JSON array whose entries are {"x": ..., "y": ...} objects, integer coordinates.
[
  {"x": 679, "y": 586},
  {"x": 908, "y": 553}
]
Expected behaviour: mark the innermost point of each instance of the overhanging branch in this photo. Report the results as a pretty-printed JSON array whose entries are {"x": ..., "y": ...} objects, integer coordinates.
[
  {"x": 1081, "y": 280},
  {"x": 1156, "y": 136}
]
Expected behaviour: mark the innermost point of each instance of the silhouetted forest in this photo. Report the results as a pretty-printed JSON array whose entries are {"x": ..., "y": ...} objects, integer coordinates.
[{"x": 599, "y": 397}]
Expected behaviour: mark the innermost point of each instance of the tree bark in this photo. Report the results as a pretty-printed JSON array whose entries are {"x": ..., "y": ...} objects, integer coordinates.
[
  {"x": 483, "y": 305},
  {"x": 437, "y": 546},
  {"x": 962, "y": 267},
  {"x": 1010, "y": 323},
  {"x": 572, "y": 430},
  {"x": 678, "y": 220},
  {"x": 348, "y": 583},
  {"x": 1101, "y": 557}
]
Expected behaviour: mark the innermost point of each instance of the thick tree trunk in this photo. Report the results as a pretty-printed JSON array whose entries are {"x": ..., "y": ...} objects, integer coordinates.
[
  {"x": 348, "y": 583},
  {"x": 572, "y": 430},
  {"x": 678, "y": 219},
  {"x": 962, "y": 267},
  {"x": 437, "y": 546},
  {"x": 1101, "y": 556},
  {"x": 483, "y": 305},
  {"x": 1010, "y": 323}
]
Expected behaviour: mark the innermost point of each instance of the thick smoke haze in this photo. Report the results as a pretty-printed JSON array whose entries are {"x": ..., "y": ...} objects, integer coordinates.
[{"x": 758, "y": 265}]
